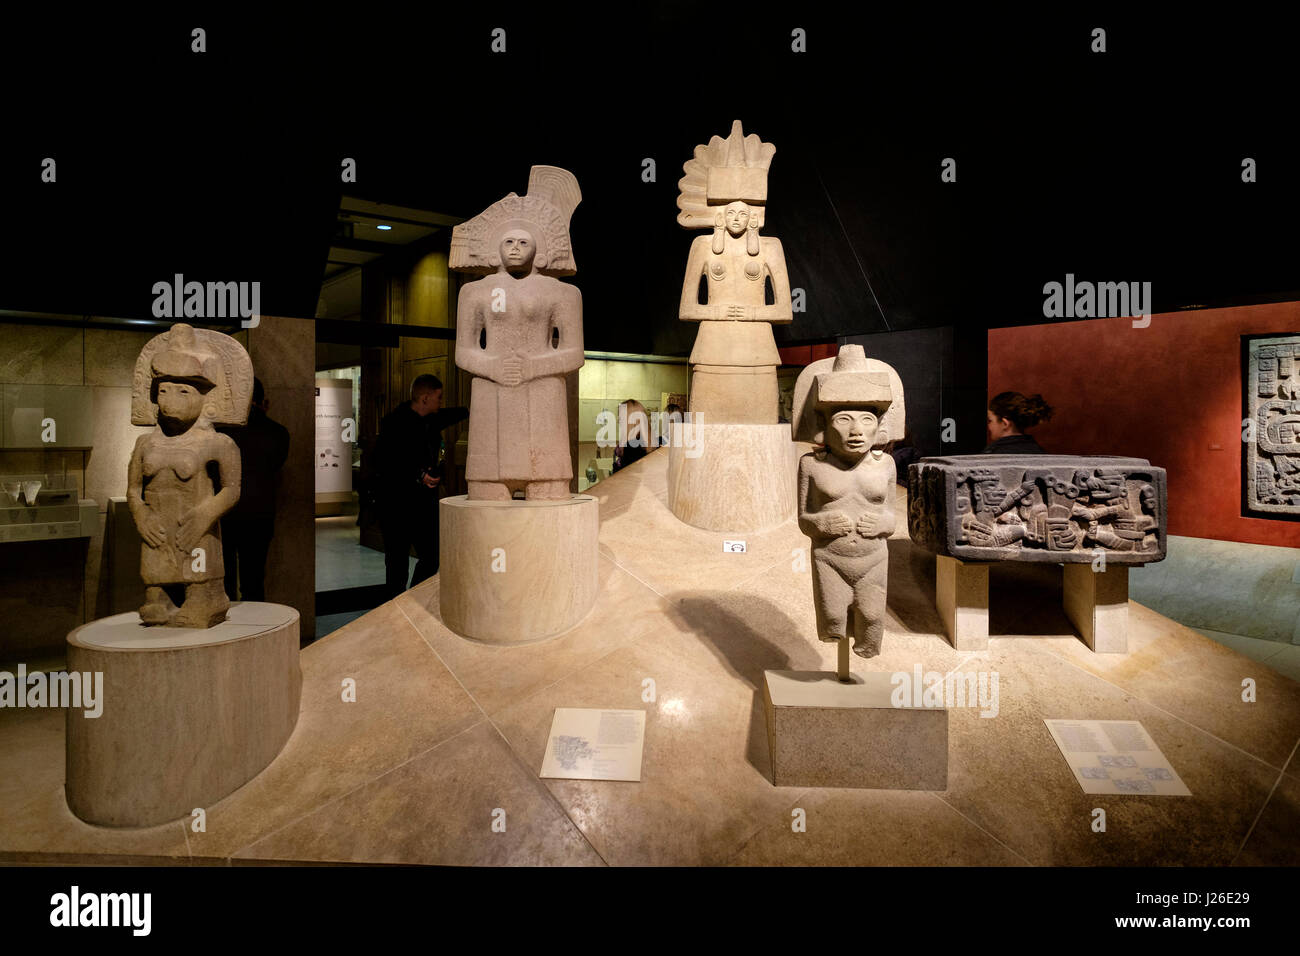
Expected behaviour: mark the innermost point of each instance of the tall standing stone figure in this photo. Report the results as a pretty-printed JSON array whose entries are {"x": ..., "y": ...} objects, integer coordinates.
[
  {"x": 513, "y": 572},
  {"x": 731, "y": 466},
  {"x": 518, "y": 331},
  {"x": 184, "y": 475},
  {"x": 733, "y": 363},
  {"x": 852, "y": 406}
]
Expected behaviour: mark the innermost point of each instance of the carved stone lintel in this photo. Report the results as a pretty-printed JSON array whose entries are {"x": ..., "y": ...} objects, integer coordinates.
[{"x": 1055, "y": 509}]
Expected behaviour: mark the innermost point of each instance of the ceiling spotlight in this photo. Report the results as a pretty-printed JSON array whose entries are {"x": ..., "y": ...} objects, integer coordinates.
[{"x": 384, "y": 228}]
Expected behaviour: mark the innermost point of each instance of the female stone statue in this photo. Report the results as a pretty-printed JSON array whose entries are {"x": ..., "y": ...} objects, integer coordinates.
[
  {"x": 735, "y": 357},
  {"x": 846, "y": 493},
  {"x": 184, "y": 475}
]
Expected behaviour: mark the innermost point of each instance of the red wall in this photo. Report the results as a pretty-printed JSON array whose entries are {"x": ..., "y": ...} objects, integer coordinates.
[
  {"x": 1169, "y": 393},
  {"x": 807, "y": 354}
]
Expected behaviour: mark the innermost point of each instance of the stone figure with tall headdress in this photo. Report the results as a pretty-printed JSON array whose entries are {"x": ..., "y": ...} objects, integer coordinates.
[
  {"x": 518, "y": 331},
  {"x": 735, "y": 358},
  {"x": 852, "y": 406},
  {"x": 184, "y": 475}
]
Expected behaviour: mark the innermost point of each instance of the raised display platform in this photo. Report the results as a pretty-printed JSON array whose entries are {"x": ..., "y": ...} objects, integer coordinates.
[
  {"x": 737, "y": 478},
  {"x": 514, "y": 572},
  {"x": 188, "y": 715},
  {"x": 444, "y": 730}
]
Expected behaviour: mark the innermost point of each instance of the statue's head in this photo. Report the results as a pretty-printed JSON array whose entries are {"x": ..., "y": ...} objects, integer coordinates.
[
  {"x": 180, "y": 400},
  {"x": 1147, "y": 496},
  {"x": 851, "y": 432},
  {"x": 183, "y": 373},
  {"x": 736, "y": 217},
  {"x": 517, "y": 250}
]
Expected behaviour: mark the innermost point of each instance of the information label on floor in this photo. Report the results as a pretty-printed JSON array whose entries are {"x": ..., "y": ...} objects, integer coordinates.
[
  {"x": 1116, "y": 756},
  {"x": 595, "y": 744}
]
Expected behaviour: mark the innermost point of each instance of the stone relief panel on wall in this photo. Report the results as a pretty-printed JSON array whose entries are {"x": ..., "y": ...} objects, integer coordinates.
[
  {"x": 1048, "y": 508},
  {"x": 1272, "y": 459}
]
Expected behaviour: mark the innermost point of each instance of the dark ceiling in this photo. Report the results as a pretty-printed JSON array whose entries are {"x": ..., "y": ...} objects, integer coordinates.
[{"x": 1123, "y": 166}]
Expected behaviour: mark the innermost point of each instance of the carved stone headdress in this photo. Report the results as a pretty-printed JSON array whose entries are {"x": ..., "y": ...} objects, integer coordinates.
[
  {"x": 725, "y": 171},
  {"x": 211, "y": 359},
  {"x": 849, "y": 380},
  {"x": 545, "y": 212}
]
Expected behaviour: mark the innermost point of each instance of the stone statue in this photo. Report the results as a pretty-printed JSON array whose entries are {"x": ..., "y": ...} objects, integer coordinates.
[
  {"x": 184, "y": 475},
  {"x": 734, "y": 361},
  {"x": 518, "y": 331},
  {"x": 852, "y": 406}
]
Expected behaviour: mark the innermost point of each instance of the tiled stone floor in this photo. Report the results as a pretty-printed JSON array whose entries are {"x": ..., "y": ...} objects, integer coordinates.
[
  {"x": 444, "y": 733},
  {"x": 341, "y": 561},
  {"x": 1226, "y": 589}
]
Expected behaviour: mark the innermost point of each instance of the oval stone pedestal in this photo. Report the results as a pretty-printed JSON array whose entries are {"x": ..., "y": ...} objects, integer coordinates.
[
  {"x": 189, "y": 715},
  {"x": 731, "y": 477},
  {"x": 514, "y": 572}
]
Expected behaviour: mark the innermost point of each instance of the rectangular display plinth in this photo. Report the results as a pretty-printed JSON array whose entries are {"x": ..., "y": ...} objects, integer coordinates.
[
  {"x": 824, "y": 733},
  {"x": 1096, "y": 602},
  {"x": 961, "y": 592}
]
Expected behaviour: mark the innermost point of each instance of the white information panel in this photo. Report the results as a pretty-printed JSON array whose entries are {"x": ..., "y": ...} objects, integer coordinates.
[
  {"x": 595, "y": 744},
  {"x": 1116, "y": 756}
]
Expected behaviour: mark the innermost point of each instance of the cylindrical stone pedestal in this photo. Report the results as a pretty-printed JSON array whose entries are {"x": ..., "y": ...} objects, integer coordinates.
[
  {"x": 188, "y": 715},
  {"x": 731, "y": 477},
  {"x": 735, "y": 393},
  {"x": 514, "y": 572}
]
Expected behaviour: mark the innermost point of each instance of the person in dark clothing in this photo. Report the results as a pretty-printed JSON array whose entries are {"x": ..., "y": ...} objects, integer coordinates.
[
  {"x": 1009, "y": 414},
  {"x": 672, "y": 416},
  {"x": 904, "y": 452},
  {"x": 634, "y": 421},
  {"x": 247, "y": 529},
  {"x": 409, "y": 453}
]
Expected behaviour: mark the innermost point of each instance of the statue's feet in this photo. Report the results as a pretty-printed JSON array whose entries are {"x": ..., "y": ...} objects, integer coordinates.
[
  {"x": 153, "y": 614},
  {"x": 204, "y": 616},
  {"x": 205, "y": 606},
  {"x": 158, "y": 606},
  {"x": 866, "y": 649},
  {"x": 831, "y": 638},
  {"x": 868, "y": 646}
]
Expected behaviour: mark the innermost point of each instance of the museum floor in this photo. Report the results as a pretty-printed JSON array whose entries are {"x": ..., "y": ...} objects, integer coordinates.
[{"x": 444, "y": 732}]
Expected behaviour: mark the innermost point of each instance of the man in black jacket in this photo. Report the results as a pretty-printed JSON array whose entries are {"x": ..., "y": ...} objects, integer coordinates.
[
  {"x": 409, "y": 453},
  {"x": 246, "y": 529}
]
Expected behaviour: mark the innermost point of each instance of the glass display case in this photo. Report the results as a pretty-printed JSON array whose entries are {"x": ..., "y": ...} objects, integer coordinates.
[{"x": 43, "y": 507}]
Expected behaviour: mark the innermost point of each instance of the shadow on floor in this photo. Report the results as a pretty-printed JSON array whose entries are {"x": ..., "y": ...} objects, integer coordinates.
[{"x": 738, "y": 636}]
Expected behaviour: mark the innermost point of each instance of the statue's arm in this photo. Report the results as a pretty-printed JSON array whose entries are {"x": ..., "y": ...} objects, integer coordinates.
[
  {"x": 198, "y": 522},
  {"x": 779, "y": 311},
  {"x": 888, "y": 519},
  {"x": 229, "y": 469},
  {"x": 135, "y": 483},
  {"x": 810, "y": 522},
  {"x": 146, "y": 521},
  {"x": 690, "y": 309},
  {"x": 568, "y": 353},
  {"x": 469, "y": 326}
]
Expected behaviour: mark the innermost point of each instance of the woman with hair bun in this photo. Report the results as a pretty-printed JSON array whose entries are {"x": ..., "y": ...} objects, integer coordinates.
[{"x": 1009, "y": 414}]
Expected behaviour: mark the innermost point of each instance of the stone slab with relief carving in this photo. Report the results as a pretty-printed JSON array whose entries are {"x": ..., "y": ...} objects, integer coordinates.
[{"x": 1053, "y": 509}]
